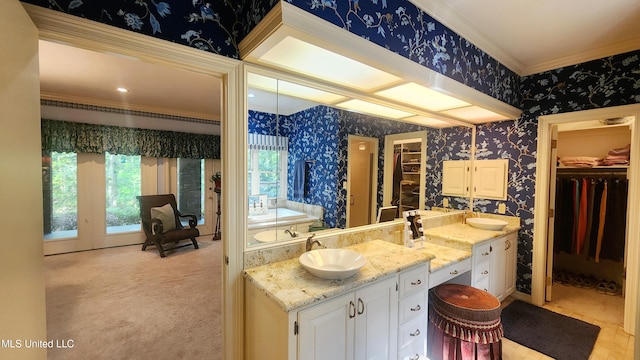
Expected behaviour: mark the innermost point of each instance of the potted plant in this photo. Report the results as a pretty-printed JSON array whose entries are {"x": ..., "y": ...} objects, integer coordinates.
[{"x": 216, "y": 178}]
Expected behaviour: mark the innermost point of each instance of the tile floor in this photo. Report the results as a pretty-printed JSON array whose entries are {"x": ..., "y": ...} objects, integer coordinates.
[{"x": 588, "y": 305}]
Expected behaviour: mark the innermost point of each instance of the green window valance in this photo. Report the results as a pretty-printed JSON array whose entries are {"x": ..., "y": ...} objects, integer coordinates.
[{"x": 64, "y": 136}]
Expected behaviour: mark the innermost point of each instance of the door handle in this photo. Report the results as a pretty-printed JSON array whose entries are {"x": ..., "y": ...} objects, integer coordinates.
[
  {"x": 352, "y": 306},
  {"x": 352, "y": 200},
  {"x": 360, "y": 306}
]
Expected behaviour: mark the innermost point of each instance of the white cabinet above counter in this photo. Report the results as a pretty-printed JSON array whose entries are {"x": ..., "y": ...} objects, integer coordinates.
[{"x": 489, "y": 180}]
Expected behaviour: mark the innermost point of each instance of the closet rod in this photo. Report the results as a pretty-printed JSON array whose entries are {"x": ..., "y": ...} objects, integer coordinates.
[{"x": 591, "y": 172}]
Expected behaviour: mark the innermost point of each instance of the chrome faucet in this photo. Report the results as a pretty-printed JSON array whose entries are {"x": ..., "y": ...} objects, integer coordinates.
[
  {"x": 292, "y": 232},
  {"x": 311, "y": 242}
]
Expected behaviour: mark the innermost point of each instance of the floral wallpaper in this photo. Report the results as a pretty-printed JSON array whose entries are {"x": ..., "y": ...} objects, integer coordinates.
[
  {"x": 445, "y": 144},
  {"x": 321, "y": 134},
  {"x": 216, "y": 26},
  {"x": 611, "y": 81},
  {"x": 405, "y": 29}
]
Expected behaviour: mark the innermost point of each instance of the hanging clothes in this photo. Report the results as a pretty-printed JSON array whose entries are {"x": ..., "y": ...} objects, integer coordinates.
[{"x": 590, "y": 216}]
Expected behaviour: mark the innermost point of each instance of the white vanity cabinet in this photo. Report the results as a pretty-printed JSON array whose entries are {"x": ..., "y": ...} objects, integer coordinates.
[
  {"x": 412, "y": 313},
  {"x": 494, "y": 265},
  {"x": 361, "y": 324}
]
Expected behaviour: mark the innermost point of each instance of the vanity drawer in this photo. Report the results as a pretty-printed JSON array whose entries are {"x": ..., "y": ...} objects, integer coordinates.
[
  {"x": 413, "y": 334},
  {"x": 412, "y": 306},
  {"x": 482, "y": 253},
  {"x": 482, "y": 284},
  {"x": 414, "y": 351},
  {"x": 481, "y": 271},
  {"x": 413, "y": 280},
  {"x": 449, "y": 272}
]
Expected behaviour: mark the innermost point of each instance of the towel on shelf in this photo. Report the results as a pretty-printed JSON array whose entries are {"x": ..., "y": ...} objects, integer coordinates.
[
  {"x": 619, "y": 156},
  {"x": 300, "y": 179},
  {"x": 580, "y": 161}
]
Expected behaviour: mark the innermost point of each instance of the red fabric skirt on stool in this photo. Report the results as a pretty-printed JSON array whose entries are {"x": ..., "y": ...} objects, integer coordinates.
[{"x": 464, "y": 324}]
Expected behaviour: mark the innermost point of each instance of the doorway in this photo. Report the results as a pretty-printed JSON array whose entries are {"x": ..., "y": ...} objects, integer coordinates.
[
  {"x": 540, "y": 281},
  {"x": 362, "y": 180},
  {"x": 589, "y": 199},
  {"x": 60, "y": 27}
]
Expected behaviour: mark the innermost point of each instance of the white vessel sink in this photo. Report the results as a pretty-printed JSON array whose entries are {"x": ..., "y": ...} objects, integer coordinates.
[
  {"x": 332, "y": 264},
  {"x": 486, "y": 223},
  {"x": 273, "y": 235}
]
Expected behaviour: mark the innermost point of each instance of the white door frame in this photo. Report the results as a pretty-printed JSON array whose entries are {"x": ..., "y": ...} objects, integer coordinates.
[
  {"x": 82, "y": 33},
  {"x": 373, "y": 198},
  {"x": 388, "y": 165},
  {"x": 543, "y": 165}
]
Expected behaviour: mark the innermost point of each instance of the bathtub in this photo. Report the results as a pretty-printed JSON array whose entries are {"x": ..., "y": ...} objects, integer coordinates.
[{"x": 279, "y": 214}]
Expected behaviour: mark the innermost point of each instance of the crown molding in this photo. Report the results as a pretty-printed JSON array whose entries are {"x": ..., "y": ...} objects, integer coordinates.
[
  {"x": 451, "y": 18},
  {"x": 584, "y": 56},
  {"x": 265, "y": 28}
]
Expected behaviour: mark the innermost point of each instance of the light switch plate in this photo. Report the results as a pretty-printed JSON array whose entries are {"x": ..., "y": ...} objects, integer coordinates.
[{"x": 502, "y": 208}]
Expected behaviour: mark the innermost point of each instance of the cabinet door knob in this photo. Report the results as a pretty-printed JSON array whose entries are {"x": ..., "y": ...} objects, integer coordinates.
[
  {"x": 360, "y": 306},
  {"x": 415, "y": 333},
  {"x": 485, "y": 272},
  {"x": 417, "y": 308},
  {"x": 454, "y": 272},
  {"x": 417, "y": 357},
  {"x": 417, "y": 282},
  {"x": 352, "y": 306}
]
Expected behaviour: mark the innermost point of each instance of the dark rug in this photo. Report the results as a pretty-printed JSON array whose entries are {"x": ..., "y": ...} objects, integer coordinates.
[{"x": 553, "y": 334}]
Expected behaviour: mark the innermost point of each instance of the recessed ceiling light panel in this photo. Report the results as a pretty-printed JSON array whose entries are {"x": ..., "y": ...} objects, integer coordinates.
[
  {"x": 475, "y": 114},
  {"x": 423, "y": 97},
  {"x": 314, "y": 61},
  {"x": 373, "y": 109}
]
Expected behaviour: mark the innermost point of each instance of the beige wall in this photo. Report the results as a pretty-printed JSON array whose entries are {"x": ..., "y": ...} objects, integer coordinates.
[
  {"x": 22, "y": 298},
  {"x": 593, "y": 142}
]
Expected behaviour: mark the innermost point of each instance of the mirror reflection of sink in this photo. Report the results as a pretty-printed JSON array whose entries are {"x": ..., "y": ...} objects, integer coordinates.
[
  {"x": 332, "y": 264},
  {"x": 486, "y": 223},
  {"x": 268, "y": 236}
]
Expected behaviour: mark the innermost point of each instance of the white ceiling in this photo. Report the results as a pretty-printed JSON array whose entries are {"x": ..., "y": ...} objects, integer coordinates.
[
  {"x": 534, "y": 36},
  {"x": 87, "y": 77},
  {"x": 526, "y": 36}
]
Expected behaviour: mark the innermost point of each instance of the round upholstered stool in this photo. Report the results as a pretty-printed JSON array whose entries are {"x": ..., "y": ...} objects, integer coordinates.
[{"x": 464, "y": 323}]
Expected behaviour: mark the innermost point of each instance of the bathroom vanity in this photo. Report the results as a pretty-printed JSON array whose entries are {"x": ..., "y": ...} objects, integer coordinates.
[
  {"x": 291, "y": 314},
  {"x": 383, "y": 309}
]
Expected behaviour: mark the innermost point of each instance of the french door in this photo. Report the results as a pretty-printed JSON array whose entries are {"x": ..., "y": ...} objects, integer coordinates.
[{"x": 90, "y": 199}]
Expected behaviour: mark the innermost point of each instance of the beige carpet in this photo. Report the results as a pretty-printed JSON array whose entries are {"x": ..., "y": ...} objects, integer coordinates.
[{"x": 123, "y": 303}]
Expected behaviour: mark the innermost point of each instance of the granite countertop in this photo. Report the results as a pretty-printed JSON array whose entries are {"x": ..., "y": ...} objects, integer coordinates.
[
  {"x": 291, "y": 286},
  {"x": 444, "y": 255},
  {"x": 464, "y": 236}
]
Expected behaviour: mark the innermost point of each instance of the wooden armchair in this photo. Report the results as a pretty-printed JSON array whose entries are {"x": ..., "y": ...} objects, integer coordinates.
[{"x": 161, "y": 223}]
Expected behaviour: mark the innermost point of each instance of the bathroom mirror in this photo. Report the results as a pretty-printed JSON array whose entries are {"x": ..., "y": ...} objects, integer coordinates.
[{"x": 299, "y": 141}]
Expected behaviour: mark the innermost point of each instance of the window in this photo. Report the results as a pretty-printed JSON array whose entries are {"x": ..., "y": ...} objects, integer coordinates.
[
  {"x": 60, "y": 195},
  {"x": 267, "y": 165},
  {"x": 123, "y": 174},
  {"x": 267, "y": 173},
  {"x": 191, "y": 188}
]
